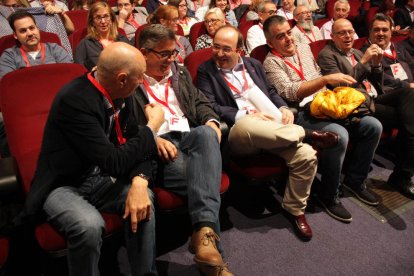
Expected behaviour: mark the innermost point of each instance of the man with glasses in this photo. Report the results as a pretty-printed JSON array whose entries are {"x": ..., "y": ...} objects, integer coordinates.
[
  {"x": 188, "y": 142},
  {"x": 291, "y": 68},
  {"x": 232, "y": 84},
  {"x": 304, "y": 30},
  {"x": 130, "y": 17},
  {"x": 341, "y": 10},
  {"x": 255, "y": 36},
  {"x": 394, "y": 107}
]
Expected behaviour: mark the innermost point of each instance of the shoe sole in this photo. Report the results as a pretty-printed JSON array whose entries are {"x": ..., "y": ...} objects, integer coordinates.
[
  {"x": 360, "y": 198},
  {"x": 332, "y": 214}
]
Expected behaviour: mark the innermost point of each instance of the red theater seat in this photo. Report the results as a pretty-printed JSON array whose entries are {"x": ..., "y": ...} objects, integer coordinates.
[
  {"x": 4, "y": 251},
  {"x": 260, "y": 52},
  {"x": 197, "y": 30}
]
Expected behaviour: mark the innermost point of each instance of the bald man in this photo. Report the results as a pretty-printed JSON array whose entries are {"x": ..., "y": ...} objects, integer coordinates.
[{"x": 94, "y": 158}]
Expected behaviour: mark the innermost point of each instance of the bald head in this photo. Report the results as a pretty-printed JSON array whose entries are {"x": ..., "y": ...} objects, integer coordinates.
[
  {"x": 343, "y": 34},
  {"x": 120, "y": 67},
  {"x": 340, "y": 23}
]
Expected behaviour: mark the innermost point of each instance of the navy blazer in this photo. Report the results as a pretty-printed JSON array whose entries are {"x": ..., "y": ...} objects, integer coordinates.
[{"x": 212, "y": 84}]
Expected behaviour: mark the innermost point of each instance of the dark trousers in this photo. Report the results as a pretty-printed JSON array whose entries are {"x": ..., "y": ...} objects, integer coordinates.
[{"x": 395, "y": 109}]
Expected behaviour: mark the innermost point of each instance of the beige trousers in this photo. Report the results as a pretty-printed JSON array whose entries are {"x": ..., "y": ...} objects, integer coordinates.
[{"x": 251, "y": 135}]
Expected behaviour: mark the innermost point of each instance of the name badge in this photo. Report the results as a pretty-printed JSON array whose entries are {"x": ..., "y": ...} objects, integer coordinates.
[
  {"x": 176, "y": 123},
  {"x": 398, "y": 71}
]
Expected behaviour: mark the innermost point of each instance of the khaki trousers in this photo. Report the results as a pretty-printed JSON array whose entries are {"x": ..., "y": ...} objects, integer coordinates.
[{"x": 252, "y": 135}]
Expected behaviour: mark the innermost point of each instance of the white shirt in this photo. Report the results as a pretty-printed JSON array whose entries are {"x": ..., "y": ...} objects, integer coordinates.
[
  {"x": 326, "y": 30},
  {"x": 308, "y": 36},
  {"x": 255, "y": 37},
  {"x": 286, "y": 14}
]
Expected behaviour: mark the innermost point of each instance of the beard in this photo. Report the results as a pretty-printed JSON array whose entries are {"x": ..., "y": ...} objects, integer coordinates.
[{"x": 306, "y": 25}]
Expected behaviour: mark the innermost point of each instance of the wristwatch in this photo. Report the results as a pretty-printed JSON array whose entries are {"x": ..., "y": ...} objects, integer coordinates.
[{"x": 147, "y": 178}]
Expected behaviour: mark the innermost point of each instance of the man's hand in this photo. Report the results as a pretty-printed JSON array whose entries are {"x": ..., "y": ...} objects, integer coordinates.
[
  {"x": 263, "y": 116},
  {"x": 167, "y": 151},
  {"x": 216, "y": 129},
  {"x": 51, "y": 9},
  {"x": 287, "y": 116},
  {"x": 339, "y": 78},
  {"x": 138, "y": 203},
  {"x": 412, "y": 85},
  {"x": 374, "y": 54},
  {"x": 155, "y": 116}
]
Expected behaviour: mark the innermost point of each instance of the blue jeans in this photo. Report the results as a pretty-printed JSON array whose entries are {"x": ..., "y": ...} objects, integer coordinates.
[
  {"x": 196, "y": 173},
  {"x": 75, "y": 211},
  {"x": 364, "y": 135}
]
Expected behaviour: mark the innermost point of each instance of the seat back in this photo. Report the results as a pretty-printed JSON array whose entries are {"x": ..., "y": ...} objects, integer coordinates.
[
  {"x": 317, "y": 46},
  {"x": 76, "y": 37},
  {"x": 9, "y": 41},
  {"x": 195, "y": 59},
  {"x": 319, "y": 23},
  {"x": 370, "y": 15},
  {"x": 244, "y": 28},
  {"x": 79, "y": 18},
  {"x": 197, "y": 30},
  {"x": 260, "y": 52},
  {"x": 25, "y": 106},
  {"x": 358, "y": 43}
]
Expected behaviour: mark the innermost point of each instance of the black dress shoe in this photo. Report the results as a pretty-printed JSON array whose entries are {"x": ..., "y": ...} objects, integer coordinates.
[
  {"x": 322, "y": 139},
  {"x": 402, "y": 183},
  {"x": 300, "y": 225}
]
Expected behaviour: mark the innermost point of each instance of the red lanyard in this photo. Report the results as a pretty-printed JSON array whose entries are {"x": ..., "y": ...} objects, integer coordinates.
[
  {"x": 184, "y": 21},
  {"x": 100, "y": 88},
  {"x": 261, "y": 26},
  {"x": 131, "y": 20},
  {"x": 366, "y": 83},
  {"x": 245, "y": 85},
  {"x": 164, "y": 103},
  {"x": 394, "y": 54},
  {"x": 353, "y": 61},
  {"x": 303, "y": 31},
  {"x": 42, "y": 54},
  {"x": 180, "y": 57},
  {"x": 298, "y": 71}
]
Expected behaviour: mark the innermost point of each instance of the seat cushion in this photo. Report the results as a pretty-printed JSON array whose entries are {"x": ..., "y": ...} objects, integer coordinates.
[{"x": 4, "y": 250}]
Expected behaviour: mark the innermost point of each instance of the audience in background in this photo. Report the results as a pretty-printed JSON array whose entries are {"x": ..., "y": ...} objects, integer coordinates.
[
  {"x": 102, "y": 31},
  {"x": 224, "y": 6},
  {"x": 252, "y": 13},
  {"x": 304, "y": 30},
  {"x": 130, "y": 17},
  {"x": 213, "y": 20},
  {"x": 168, "y": 16},
  {"x": 255, "y": 36},
  {"x": 408, "y": 43},
  {"x": 291, "y": 68},
  {"x": 194, "y": 5},
  {"x": 30, "y": 50},
  {"x": 185, "y": 21},
  {"x": 56, "y": 7},
  {"x": 188, "y": 142},
  {"x": 341, "y": 10},
  {"x": 287, "y": 9},
  {"x": 404, "y": 16},
  {"x": 82, "y": 4}
]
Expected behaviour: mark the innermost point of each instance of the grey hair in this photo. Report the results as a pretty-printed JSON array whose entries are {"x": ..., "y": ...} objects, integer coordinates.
[{"x": 153, "y": 35}]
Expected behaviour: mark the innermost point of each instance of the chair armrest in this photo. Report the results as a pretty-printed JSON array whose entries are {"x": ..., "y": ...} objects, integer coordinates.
[{"x": 9, "y": 184}]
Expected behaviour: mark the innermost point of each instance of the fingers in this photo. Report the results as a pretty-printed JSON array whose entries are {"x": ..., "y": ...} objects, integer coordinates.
[
  {"x": 166, "y": 150},
  {"x": 134, "y": 222}
]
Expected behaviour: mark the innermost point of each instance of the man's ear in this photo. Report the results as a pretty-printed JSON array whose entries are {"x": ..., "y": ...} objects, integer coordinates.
[
  {"x": 14, "y": 35},
  {"x": 122, "y": 78}
]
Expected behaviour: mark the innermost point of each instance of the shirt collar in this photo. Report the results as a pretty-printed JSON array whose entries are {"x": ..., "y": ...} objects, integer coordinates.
[
  {"x": 152, "y": 81},
  {"x": 236, "y": 68}
]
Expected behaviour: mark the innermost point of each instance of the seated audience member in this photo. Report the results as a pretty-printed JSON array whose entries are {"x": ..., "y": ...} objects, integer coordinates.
[
  {"x": 213, "y": 20},
  {"x": 304, "y": 30},
  {"x": 255, "y": 35},
  {"x": 252, "y": 13},
  {"x": 13, "y": 4},
  {"x": 194, "y": 5},
  {"x": 87, "y": 164},
  {"x": 226, "y": 79},
  {"x": 313, "y": 6},
  {"x": 404, "y": 16},
  {"x": 56, "y": 7},
  {"x": 82, "y": 4},
  {"x": 287, "y": 9},
  {"x": 387, "y": 7},
  {"x": 29, "y": 51},
  {"x": 224, "y": 6},
  {"x": 168, "y": 16},
  {"x": 408, "y": 43},
  {"x": 394, "y": 105},
  {"x": 130, "y": 17},
  {"x": 184, "y": 19},
  {"x": 152, "y": 5},
  {"x": 341, "y": 10},
  {"x": 102, "y": 31},
  {"x": 188, "y": 142},
  {"x": 291, "y": 68}
]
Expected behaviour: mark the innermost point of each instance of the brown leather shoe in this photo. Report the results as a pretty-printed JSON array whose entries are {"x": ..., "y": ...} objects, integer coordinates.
[
  {"x": 207, "y": 257},
  {"x": 323, "y": 139},
  {"x": 300, "y": 225}
]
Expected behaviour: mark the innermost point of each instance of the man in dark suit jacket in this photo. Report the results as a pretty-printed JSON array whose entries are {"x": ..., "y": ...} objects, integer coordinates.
[
  {"x": 188, "y": 142},
  {"x": 226, "y": 80},
  {"x": 393, "y": 108},
  {"x": 404, "y": 15},
  {"x": 93, "y": 161}
]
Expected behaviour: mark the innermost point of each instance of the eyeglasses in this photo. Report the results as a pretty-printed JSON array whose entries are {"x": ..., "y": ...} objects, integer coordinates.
[
  {"x": 225, "y": 49},
  {"x": 165, "y": 54},
  {"x": 126, "y": 5},
  {"x": 283, "y": 36},
  {"x": 98, "y": 18},
  {"x": 211, "y": 21},
  {"x": 304, "y": 13},
  {"x": 182, "y": 5},
  {"x": 271, "y": 12},
  {"x": 344, "y": 33}
]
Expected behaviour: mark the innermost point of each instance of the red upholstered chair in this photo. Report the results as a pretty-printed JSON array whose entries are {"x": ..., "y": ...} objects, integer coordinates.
[
  {"x": 319, "y": 23},
  {"x": 197, "y": 30},
  {"x": 260, "y": 52},
  {"x": 398, "y": 38},
  {"x": 358, "y": 43},
  {"x": 244, "y": 28},
  {"x": 317, "y": 46},
  {"x": 79, "y": 18},
  {"x": 195, "y": 59},
  {"x": 4, "y": 251},
  {"x": 370, "y": 15},
  {"x": 9, "y": 40}
]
